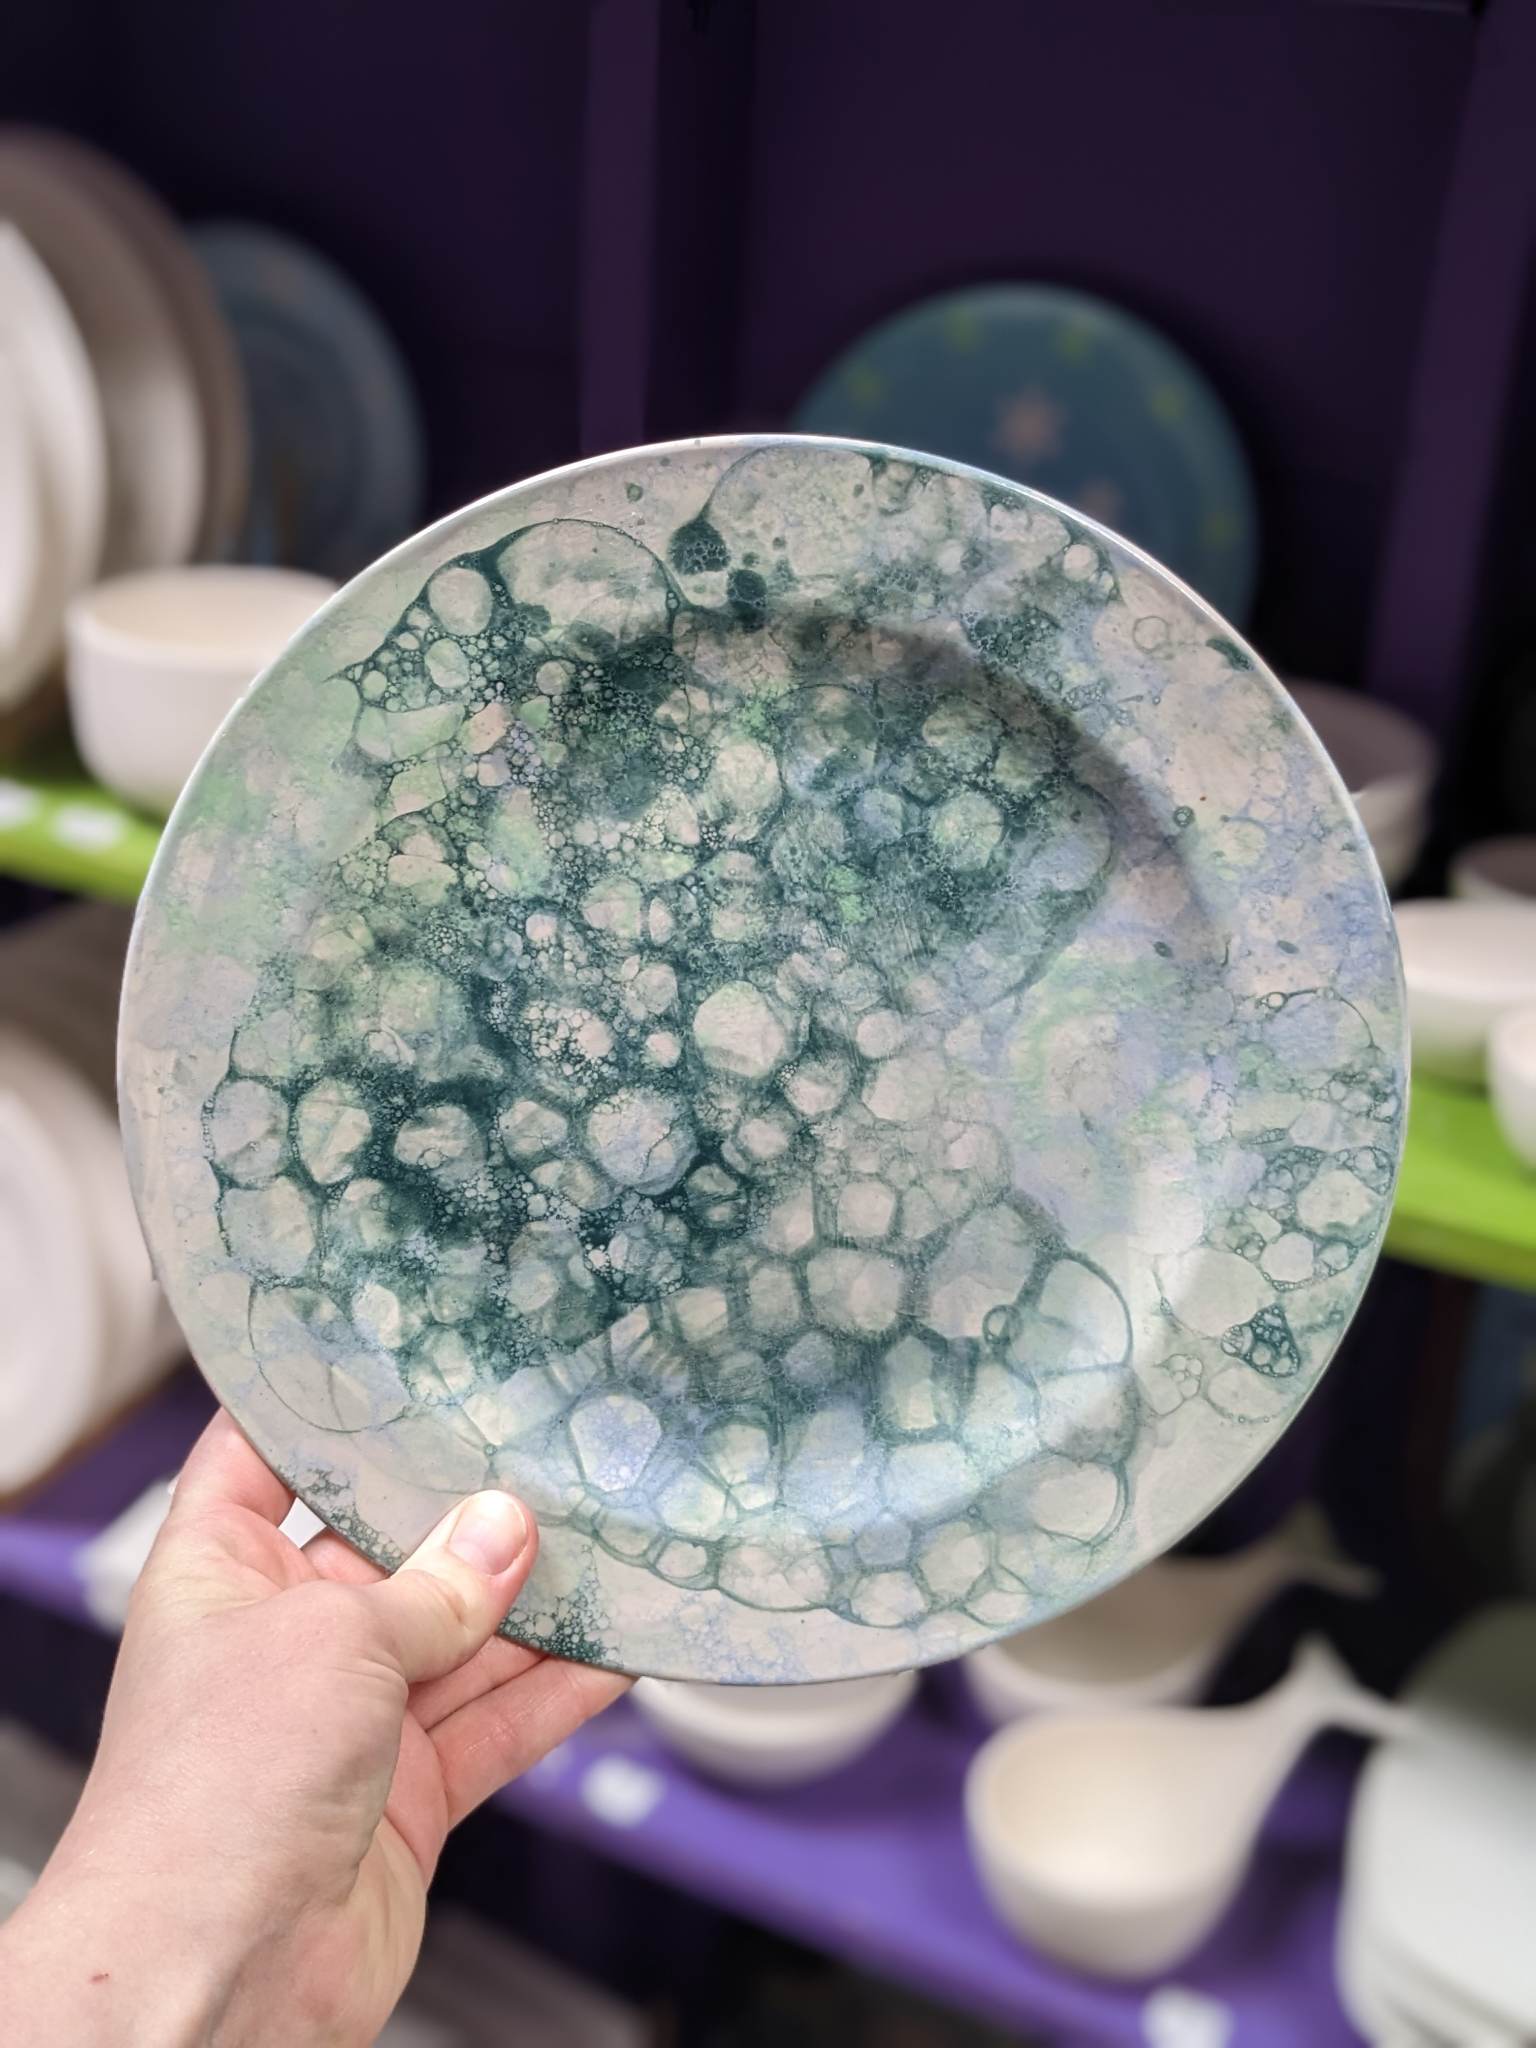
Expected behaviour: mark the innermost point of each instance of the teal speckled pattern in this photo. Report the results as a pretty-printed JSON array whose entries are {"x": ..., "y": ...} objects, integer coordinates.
[{"x": 805, "y": 1009}]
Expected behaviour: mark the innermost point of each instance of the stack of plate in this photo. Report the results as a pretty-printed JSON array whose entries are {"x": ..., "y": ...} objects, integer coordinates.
[
  {"x": 123, "y": 440},
  {"x": 83, "y": 1326},
  {"x": 1440, "y": 1877},
  {"x": 167, "y": 397}
]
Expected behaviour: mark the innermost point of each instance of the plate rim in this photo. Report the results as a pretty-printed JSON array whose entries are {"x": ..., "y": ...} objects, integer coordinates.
[{"x": 429, "y": 538}]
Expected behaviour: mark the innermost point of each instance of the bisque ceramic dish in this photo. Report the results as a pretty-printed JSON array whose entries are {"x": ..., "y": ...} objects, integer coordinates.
[
  {"x": 1158, "y": 1637},
  {"x": 773, "y": 1735},
  {"x": 1496, "y": 871},
  {"x": 1117, "y": 1841},
  {"x": 1512, "y": 1079},
  {"x": 155, "y": 660},
  {"x": 1466, "y": 965},
  {"x": 814, "y": 1014},
  {"x": 1388, "y": 762}
]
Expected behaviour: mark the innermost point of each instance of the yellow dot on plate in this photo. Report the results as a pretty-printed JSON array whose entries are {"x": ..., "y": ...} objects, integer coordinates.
[
  {"x": 865, "y": 386},
  {"x": 1219, "y": 528},
  {"x": 1168, "y": 402},
  {"x": 1074, "y": 339},
  {"x": 962, "y": 329}
]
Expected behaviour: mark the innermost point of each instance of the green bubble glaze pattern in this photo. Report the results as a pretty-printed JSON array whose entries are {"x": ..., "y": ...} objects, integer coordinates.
[{"x": 805, "y": 1010}]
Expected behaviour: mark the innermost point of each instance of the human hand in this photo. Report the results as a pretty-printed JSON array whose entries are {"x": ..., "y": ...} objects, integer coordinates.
[{"x": 288, "y": 1739}]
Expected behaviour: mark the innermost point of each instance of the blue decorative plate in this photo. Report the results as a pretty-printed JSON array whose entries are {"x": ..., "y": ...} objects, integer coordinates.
[
  {"x": 824, "y": 1021},
  {"x": 336, "y": 436},
  {"x": 1070, "y": 395}
]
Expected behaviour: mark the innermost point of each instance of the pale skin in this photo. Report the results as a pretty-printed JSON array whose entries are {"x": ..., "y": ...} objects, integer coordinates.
[{"x": 288, "y": 1739}]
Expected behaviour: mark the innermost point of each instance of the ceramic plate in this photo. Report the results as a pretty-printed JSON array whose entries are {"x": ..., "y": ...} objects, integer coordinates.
[
  {"x": 1073, "y": 396},
  {"x": 184, "y": 287},
  {"x": 810, "y": 1012},
  {"x": 336, "y": 437},
  {"x": 149, "y": 401},
  {"x": 51, "y": 1308},
  {"x": 53, "y": 380},
  {"x": 20, "y": 514}
]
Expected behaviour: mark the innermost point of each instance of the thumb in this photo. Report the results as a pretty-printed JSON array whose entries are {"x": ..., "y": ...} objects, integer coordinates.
[{"x": 452, "y": 1594}]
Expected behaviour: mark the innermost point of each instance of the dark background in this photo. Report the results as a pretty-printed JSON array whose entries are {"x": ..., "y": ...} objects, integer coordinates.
[{"x": 594, "y": 222}]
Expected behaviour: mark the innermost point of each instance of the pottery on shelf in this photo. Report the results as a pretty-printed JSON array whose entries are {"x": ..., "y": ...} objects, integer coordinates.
[
  {"x": 1496, "y": 871},
  {"x": 1388, "y": 761},
  {"x": 1465, "y": 965},
  {"x": 1512, "y": 1080},
  {"x": 773, "y": 1735},
  {"x": 1073, "y": 396},
  {"x": 1158, "y": 1637},
  {"x": 156, "y": 660},
  {"x": 814, "y": 1014},
  {"x": 1115, "y": 1842}
]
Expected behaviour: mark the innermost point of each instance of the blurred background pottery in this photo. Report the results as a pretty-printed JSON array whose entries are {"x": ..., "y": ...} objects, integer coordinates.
[
  {"x": 1157, "y": 1638},
  {"x": 1496, "y": 871},
  {"x": 1388, "y": 763},
  {"x": 1465, "y": 965},
  {"x": 766, "y": 1735},
  {"x": 1512, "y": 1079},
  {"x": 1115, "y": 1842},
  {"x": 157, "y": 659}
]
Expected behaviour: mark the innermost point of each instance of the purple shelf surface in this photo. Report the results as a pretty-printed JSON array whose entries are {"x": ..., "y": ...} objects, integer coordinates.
[{"x": 870, "y": 1865}]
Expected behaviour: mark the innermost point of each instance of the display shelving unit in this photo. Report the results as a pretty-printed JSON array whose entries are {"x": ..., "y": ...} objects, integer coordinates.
[{"x": 622, "y": 220}]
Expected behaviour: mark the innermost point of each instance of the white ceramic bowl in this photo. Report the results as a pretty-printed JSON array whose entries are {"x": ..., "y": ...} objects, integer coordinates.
[
  {"x": 773, "y": 1734},
  {"x": 1387, "y": 762},
  {"x": 1465, "y": 966},
  {"x": 156, "y": 660},
  {"x": 1031, "y": 1812},
  {"x": 1107, "y": 1654},
  {"x": 1495, "y": 871},
  {"x": 1512, "y": 1080}
]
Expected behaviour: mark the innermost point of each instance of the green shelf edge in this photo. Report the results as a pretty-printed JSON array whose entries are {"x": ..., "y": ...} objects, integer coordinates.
[
  {"x": 61, "y": 829},
  {"x": 1465, "y": 1204}
]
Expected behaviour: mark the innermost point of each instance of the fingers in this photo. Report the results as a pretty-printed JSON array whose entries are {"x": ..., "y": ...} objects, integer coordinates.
[
  {"x": 334, "y": 1559},
  {"x": 496, "y": 1737},
  {"x": 494, "y": 1665},
  {"x": 222, "y": 1470},
  {"x": 450, "y": 1596}
]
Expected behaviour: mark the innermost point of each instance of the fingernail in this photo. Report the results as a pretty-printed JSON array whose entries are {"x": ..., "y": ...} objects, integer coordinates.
[{"x": 490, "y": 1533}]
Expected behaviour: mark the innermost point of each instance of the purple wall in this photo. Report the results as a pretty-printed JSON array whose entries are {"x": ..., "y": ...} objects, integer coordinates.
[
  {"x": 572, "y": 258},
  {"x": 1260, "y": 181}
]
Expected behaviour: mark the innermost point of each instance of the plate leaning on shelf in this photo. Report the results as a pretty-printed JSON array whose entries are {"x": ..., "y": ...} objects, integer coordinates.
[
  {"x": 336, "y": 435},
  {"x": 818, "y": 1017},
  {"x": 164, "y": 251},
  {"x": 20, "y": 515},
  {"x": 153, "y": 424},
  {"x": 1071, "y": 395},
  {"x": 57, "y": 394}
]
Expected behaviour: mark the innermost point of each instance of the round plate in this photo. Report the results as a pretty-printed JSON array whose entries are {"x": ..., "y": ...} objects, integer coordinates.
[
  {"x": 51, "y": 1328},
  {"x": 20, "y": 514},
  {"x": 183, "y": 284},
  {"x": 336, "y": 457},
  {"x": 58, "y": 392},
  {"x": 149, "y": 400},
  {"x": 815, "y": 1015},
  {"x": 1073, "y": 396}
]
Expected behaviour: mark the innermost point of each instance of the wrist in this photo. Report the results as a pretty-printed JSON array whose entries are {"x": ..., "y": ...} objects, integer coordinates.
[{"x": 103, "y": 1959}]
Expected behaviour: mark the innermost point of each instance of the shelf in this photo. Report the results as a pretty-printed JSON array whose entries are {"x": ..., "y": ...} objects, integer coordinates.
[
  {"x": 870, "y": 1865},
  {"x": 1465, "y": 1204},
  {"x": 59, "y": 828}
]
